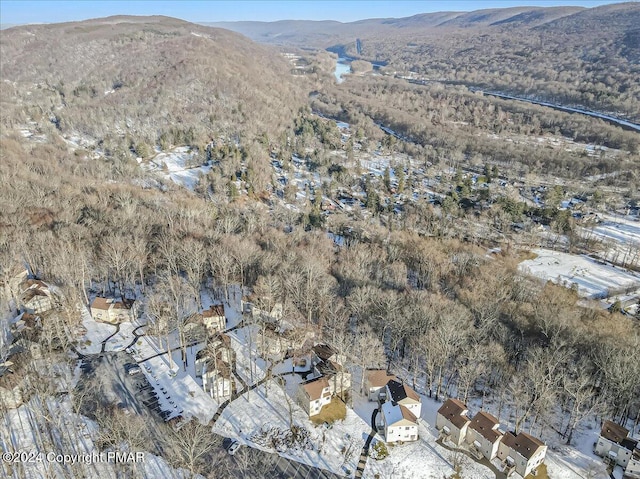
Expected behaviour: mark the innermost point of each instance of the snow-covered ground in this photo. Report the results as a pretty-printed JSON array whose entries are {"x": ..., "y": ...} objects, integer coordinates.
[
  {"x": 621, "y": 237},
  {"x": 423, "y": 458},
  {"x": 96, "y": 333},
  {"x": 122, "y": 338},
  {"x": 593, "y": 280},
  {"x": 24, "y": 429},
  {"x": 249, "y": 366},
  {"x": 183, "y": 396},
  {"x": 173, "y": 166},
  {"x": 265, "y": 411}
]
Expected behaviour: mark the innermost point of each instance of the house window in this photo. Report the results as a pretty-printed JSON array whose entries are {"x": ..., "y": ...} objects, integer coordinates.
[{"x": 407, "y": 428}]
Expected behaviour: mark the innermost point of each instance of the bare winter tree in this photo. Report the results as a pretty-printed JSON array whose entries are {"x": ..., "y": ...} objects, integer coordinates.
[
  {"x": 577, "y": 385},
  {"x": 190, "y": 445}
]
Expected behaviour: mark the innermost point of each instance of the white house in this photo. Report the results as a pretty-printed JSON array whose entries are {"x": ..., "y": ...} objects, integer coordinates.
[
  {"x": 402, "y": 394},
  {"x": 36, "y": 297},
  {"x": 452, "y": 421},
  {"x": 614, "y": 444},
  {"x": 521, "y": 453},
  {"x": 483, "y": 434},
  {"x": 213, "y": 366},
  {"x": 213, "y": 318},
  {"x": 375, "y": 380},
  {"x": 313, "y": 395},
  {"x": 217, "y": 379},
  {"x": 400, "y": 424},
  {"x": 111, "y": 311},
  {"x": 633, "y": 467}
]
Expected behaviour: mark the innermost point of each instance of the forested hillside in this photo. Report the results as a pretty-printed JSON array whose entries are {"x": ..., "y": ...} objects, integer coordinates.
[
  {"x": 137, "y": 81},
  {"x": 569, "y": 55},
  {"x": 386, "y": 219}
]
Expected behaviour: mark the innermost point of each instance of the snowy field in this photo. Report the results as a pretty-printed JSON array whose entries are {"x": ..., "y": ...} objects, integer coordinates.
[
  {"x": 173, "y": 166},
  {"x": 122, "y": 339},
  {"x": 594, "y": 280},
  {"x": 622, "y": 238}
]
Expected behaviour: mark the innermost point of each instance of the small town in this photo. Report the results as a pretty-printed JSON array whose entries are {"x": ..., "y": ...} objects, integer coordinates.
[
  {"x": 319, "y": 239},
  {"x": 259, "y": 383}
]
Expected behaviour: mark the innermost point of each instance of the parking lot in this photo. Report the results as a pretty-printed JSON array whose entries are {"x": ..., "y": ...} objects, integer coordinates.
[{"x": 134, "y": 393}]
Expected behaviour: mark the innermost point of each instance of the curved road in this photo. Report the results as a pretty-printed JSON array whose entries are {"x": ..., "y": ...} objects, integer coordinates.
[{"x": 365, "y": 449}]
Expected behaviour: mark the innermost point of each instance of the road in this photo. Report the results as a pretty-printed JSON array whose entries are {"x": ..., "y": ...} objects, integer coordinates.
[{"x": 365, "y": 449}]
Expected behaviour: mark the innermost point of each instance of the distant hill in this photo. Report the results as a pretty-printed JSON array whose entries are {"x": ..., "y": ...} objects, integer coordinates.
[
  {"x": 142, "y": 77},
  {"x": 585, "y": 57},
  {"x": 308, "y": 33}
]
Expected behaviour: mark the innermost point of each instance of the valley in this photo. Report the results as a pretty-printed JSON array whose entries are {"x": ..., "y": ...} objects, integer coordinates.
[{"x": 400, "y": 247}]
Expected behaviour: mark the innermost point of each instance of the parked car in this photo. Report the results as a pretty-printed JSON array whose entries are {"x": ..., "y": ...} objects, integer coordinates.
[
  {"x": 233, "y": 447},
  {"x": 132, "y": 368}
]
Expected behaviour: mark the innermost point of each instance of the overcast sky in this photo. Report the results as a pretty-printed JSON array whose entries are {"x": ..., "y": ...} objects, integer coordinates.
[{"x": 51, "y": 11}]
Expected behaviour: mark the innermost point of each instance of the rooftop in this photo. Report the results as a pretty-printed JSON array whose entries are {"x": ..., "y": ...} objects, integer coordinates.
[
  {"x": 323, "y": 351},
  {"x": 394, "y": 413},
  {"x": 454, "y": 410},
  {"x": 486, "y": 425},
  {"x": 101, "y": 303},
  {"x": 315, "y": 387},
  {"x": 614, "y": 432},
  {"x": 379, "y": 377},
  {"x": 399, "y": 391},
  {"x": 524, "y": 444},
  {"x": 216, "y": 310}
]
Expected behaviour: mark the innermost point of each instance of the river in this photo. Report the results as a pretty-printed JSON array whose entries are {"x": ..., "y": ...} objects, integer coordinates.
[{"x": 343, "y": 67}]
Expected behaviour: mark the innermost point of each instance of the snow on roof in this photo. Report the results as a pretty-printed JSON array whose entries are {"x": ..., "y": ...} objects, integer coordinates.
[{"x": 395, "y": 413}]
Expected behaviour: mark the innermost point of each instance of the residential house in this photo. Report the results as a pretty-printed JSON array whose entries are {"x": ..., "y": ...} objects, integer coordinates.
[
  {"x": 313, "y": 395},
  {"x": 217, "y": 380},
  {"x": 376, "y": 380},
  {"x": 36, "y": 297},
  {"x": 633, "y": 467},
  {"x": 327, "y": 363},
  {"x": 521, "y": 453},
  {"x": 214, "y": 319},
  {"x": 614, "y": 444},
  {"x": 111, "y": 311},
  {"x": 213, "y": 366},
  {"x": 452, "y": 421},
  {"x": 274, "y": 316},
  {"x": 483, "y": 435},
  {"x": 402, "y": 394},
  {"x": 399, "y": 423}
]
